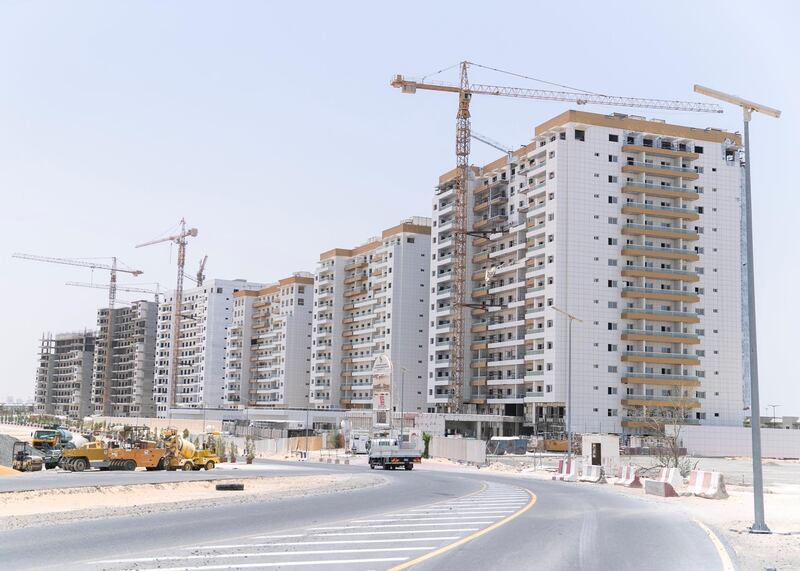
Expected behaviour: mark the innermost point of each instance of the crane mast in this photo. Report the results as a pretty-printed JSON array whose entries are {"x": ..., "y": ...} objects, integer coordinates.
[
  {"x": 112, "y": 297},
  {"x": 465, "y": 92},
  {"x": 177, "y": 304}
]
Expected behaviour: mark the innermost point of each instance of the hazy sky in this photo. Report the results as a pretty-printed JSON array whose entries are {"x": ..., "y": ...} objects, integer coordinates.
[{"x": 273, "y": 129}]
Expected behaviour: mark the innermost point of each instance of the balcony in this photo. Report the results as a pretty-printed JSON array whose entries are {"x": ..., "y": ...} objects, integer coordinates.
[
  {"x": 660, "y": 401},
  {"x": 658, "y": 252},
  {"x": 661, "y": 358},
  {"x": 660, "y": 211},
  {"x": 660, "y": 315},
  {"x": 653, "y": 422},
  {"x": 663, "y": 336},
  {"x": 657, "y": 293},
  {"x": 659, "y": 231},
  {"x": 660, "y": 170},
  {"x": 660, "y": 273},
  {"x": 651, "y": 150},
  {"x": 663, "y": 190}
]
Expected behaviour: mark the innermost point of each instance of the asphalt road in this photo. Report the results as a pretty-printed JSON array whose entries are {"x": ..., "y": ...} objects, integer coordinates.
[{"x": 429, "y": 518}]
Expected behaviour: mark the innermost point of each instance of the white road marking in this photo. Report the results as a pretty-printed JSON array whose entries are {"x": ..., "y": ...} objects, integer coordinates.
[
  {"x": 280, "y": 536},
  {"x": 281, "y": 564},
  {"x": 396, "y": 531},
  {"x": 337, "y": 542},
  {"x": 264, "y": 554},
  {"x": 415, "y": 519},
  {"x": 399, "y": 525}
]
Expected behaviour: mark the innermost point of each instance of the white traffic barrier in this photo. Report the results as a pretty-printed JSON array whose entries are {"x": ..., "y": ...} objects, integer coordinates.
[
  {"x": 568, "y": 471},
  {"x": 705, "y": 484},
  {"x": 667, "y": 484},
  {"x": 671, "y": 476},
  {"x": 628, "y": 477},
  {"x": 593, "y": 474}
]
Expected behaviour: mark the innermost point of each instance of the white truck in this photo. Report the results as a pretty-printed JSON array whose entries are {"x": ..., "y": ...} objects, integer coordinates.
[
  {"x": 359, "y": 442},
  {"x": 390, "y": 454}
]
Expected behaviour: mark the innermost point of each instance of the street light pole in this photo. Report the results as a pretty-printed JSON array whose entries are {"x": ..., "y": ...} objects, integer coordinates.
[
  {"x": 402, "y": 404},
  {"x": 569, "y": 377},
  {"x": 759, "y": 525},
  {"x": 774, "y": 418}
]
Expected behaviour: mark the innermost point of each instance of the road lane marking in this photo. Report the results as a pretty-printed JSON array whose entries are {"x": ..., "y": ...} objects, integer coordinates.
[
  {"x": 399, "y": 525},
  {"x": 337, "y": 542},
  {"x": 280, "y": 536},
  {"x": 396, "y": 531},
  {"x": 468, "y": 538},
  {"x": 263, "y": 554},
  {"x": 417, "y": 519},
  {"x": 281, "y": 564},
  {"x": 727, "y": 564}
]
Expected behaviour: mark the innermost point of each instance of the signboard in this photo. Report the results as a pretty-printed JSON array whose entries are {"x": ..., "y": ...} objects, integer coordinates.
[{"x": 382, "y": 388}]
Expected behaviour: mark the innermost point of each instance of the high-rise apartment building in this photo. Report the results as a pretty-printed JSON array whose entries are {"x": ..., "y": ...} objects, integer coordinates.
[
  {"x": 64, "y": 374},
  {"x": 207, "y": 313},
  {"x": 132, "y": 360},
  {"x": 372, "y": 300},
  {"x": 268, "y": 351},
  {"x": 633, "y": 227}
]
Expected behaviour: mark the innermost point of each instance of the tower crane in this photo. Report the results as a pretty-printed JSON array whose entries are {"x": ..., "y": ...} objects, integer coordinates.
[
  {"x": 201, "y": 276},
  {"x": 155, "y": 292},
  {"x": 177, "y": 303},
  {"x": 112, "y": 297},
  {"x": 465, "y": 90}
]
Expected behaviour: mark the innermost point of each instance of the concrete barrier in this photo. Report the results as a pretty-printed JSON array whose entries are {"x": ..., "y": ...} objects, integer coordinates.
[
  {"x": 593, "y": 474},
  {"x": 657, "y": 488},
  {"x": 469, "y": 450},
  {"x": 568, "y": 471},
  {"x": 628, "y": 477},
  {"x": 705, "y": 484},
  {"x": 671, "y": 476}
]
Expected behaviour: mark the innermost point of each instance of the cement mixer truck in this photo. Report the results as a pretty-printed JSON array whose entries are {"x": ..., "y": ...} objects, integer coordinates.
[{"x": 180, "y": 454}]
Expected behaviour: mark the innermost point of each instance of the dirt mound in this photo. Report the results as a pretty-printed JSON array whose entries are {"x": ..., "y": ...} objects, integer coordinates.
[{"x": 6, "y": 471}]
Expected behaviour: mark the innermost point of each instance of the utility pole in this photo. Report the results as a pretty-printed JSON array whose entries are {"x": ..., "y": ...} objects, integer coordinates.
[
  {"x": 774, "y": 418},
  {"x": 402, "y": 407},
  {"x": 569, "y": 376},
  {"x": 759, "y": 525}
]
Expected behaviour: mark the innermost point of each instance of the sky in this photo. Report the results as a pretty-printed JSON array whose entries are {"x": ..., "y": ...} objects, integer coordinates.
[{"x": 272, "y": 128}]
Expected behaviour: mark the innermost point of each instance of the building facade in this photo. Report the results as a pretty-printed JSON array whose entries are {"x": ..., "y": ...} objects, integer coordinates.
[
  {"x": 268, "y": 350},
  {"x": 64, "y": 374},
  {"x": 207, "y": 314},
  {"x": 133, "y": 360},
  {"x": 629, "y": 225},
  {"x": 371, "y": 300}
]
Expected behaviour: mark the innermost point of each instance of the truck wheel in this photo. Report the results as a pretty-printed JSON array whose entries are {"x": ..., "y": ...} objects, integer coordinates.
[
  {"x": 129, "y": 465},
  {"x": 386, "y": 466},
  {"x": 80, "y": 464},
  {"x": 187, "y": 467},
  {"x": 162, "y": 464},
  {"x": 372, "y": 466},
  {"x": 209, "y": 465},
  {"x": 409, "y": 466}
]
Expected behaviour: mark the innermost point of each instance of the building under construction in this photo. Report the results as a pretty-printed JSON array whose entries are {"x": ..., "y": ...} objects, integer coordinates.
[
  {"x": 132, "y": 360},
  {"x": 64, "y": 374}
]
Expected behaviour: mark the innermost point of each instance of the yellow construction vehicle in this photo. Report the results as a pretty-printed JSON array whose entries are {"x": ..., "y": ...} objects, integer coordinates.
[
  {"x": 183, "y": 455},
  {"x": 143, "y": 454},
  {"x": 22, "y": 460}
]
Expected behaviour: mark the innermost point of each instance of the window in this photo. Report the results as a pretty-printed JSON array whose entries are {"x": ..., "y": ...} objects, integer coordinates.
[
  {"x": 612, "y": 241},
  {"x": 613, "y": 138},
  {"x": 613, "y": 158},
  {"x": 612, "y": 305},
  {"x": 612, "y": 220},
  {"x": 612, "y": 262},
  {"x": 410, "y": 240},
  {"x": 612, "y": 178},
  {"x": 612, "y": 412},
  {"x": 612, "y": 390},
  {"x": 611, "y": 348},
  {"x": 580, "y": 135},
  {"x": 612, "y": 199},
  {"x": 698, "y": 150},
  {"x": 612, "y": 369},
  {"x": 301, "y": 301}
]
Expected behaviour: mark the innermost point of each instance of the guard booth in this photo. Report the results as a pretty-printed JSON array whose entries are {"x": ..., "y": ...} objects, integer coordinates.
[{"x": 600, "y": 450}]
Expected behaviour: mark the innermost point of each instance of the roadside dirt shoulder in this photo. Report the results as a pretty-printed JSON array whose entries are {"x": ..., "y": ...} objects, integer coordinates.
[{"x": 44, "y": 507}]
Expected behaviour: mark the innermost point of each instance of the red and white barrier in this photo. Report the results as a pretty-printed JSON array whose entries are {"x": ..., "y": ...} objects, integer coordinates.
[
  {"x": 567, "y": 471},
  {"x": 628, "y": 477},
  {"x": 593, "y": 474},
  {"x": 671, "y": 476},
  {"x": 705, "y": 484}
]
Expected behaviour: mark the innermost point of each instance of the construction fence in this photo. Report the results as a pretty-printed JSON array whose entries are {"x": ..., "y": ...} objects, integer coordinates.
[{"x": 469, "y": 450}]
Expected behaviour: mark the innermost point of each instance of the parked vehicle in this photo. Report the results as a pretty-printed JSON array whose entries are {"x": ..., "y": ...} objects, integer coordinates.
[
  {"x": 359, "y": 442},
  {"x": 143, "y": 454}
]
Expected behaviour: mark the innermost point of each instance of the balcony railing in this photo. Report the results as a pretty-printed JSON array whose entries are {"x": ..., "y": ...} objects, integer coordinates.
[
  {"x": 659, "y": 355},
  {"x": 658, "y": 249},
  {"x": 663, "y": 208},
  {"x": 660, "y": 312},
  {"x": 673, "y": 334},
  {"x": 686, "y": 273},
  {"x": 653, "y": 227},
  {"x": 659, "y": 166},
  {"x": 666, "y": 187}
]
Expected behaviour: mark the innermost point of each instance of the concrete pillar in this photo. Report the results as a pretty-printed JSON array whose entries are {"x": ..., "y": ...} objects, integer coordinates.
[{"x": 478, "y": 430}]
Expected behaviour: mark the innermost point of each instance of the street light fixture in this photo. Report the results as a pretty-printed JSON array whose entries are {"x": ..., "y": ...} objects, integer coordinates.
[
  {"x": 569, "y": 376},
  {"x": 759, "y": 525}
]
